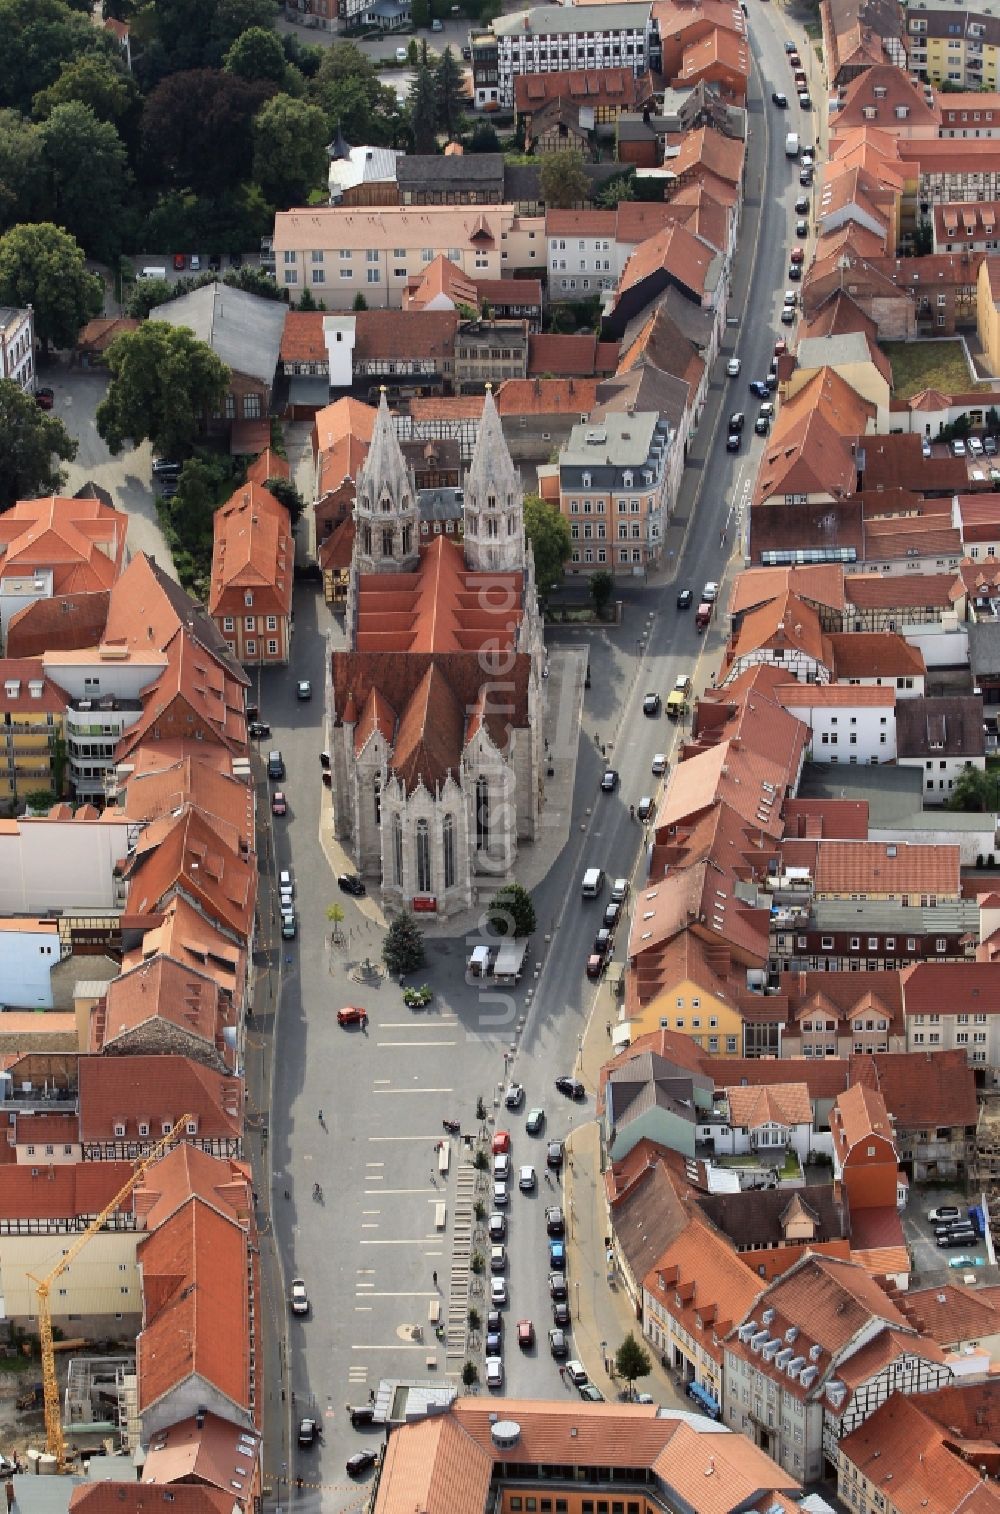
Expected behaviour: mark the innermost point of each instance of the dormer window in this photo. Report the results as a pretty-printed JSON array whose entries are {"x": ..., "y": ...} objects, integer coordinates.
[
  {"x": 248, "y": 598},
  {"x": 144, "y": 1127},
  {"x": 166, "y": 1126},
  {"x": 191, "y": 1128},
  {"x": 119, "y": 1129},
  {"x": 586, "y": 480},
  {"x": 627, "y": 480}
]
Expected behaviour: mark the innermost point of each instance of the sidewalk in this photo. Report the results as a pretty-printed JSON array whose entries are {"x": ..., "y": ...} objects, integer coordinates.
[{"x": 602, "y": 1312}]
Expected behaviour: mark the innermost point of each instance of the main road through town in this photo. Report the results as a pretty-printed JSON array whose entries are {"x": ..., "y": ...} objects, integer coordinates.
[{"x": 369, "y": 1251}]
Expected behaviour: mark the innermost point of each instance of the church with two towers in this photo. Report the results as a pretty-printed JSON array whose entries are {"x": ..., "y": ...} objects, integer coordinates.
[{"x": 435, "y": 711}]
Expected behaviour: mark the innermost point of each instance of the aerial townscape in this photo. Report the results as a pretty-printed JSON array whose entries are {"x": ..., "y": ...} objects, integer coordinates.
[{"x": 500, "y": 757}]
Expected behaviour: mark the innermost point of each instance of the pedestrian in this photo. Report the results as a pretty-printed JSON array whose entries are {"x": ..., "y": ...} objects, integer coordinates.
[
  {"x": 434, "y": 1278},
  {"x": 321, "y": 1121},
  {"x": 608, "y": 1029}
]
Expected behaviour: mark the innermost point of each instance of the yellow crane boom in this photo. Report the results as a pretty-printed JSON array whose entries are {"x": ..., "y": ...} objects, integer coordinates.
[{"x": 55, "y": 1443}]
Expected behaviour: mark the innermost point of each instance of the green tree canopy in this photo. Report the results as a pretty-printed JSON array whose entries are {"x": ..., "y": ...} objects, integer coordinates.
[
  {"x": 38, "y": 38},
  {"x": 511, "y": 911},
  {"x": 615, "y": 191},
  {"x": 95, "y": 81},
  {"x": 632, "y": 1360},
  {"x": 563, "y": 180},
  {"x": 403, "y": 947},
  {"x": 549, "y": 536},
  {"x": 163, "y": 381},
  {"x": 975, "y": 791},
  {"x": 232, "y": 19},
  {"x": 347, "y": 88},
  {"x": 257, "y": 54},
  {"x": 43, "y": 266},
  {"x": 286, "y": 494},
  {"x": 449, "y": 87},
  {"x": 32, "y": 443},
  {"x": 88, "y": 177},
  {"x": 189, "y": 518},
  {"x": 422, "y": 109},
  {"x": 483, "y": 138},
  {"x": 289, "y": 149},
  {"x": 22, "y": 172},
  {"x": 146, "y": 294}
]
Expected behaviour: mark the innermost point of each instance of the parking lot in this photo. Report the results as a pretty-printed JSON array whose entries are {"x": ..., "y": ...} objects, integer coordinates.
[{"x": 928, "y": 1257}]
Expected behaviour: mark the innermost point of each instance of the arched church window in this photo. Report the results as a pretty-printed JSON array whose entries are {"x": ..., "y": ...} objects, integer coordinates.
[
  {"x": 423, "y": 858},
  {"x": 448, "y": 837}
]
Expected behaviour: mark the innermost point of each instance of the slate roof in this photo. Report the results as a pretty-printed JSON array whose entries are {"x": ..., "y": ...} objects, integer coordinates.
[
  {"x": 242, "y": 329},
  {"x": 941, "y": 726}
]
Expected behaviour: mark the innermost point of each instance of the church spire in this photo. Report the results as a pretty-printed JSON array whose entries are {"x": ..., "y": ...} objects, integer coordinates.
[
  {"x": 387, "y": 517},
  {"x": 494, "y": 500}
]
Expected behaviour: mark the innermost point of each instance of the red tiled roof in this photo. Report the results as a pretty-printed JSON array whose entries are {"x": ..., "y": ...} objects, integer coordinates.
[
  {"x": 163, "y": 998},
  {"x": 115, "y": 1497},
  {"x": 874, "y": 654},
  {"x": 442, "y": 606},
  {"x": 82, "y": 541},
  {"x": 253, "y": 550},
  {"x": 157, "y": 1090},
  {"x": 618, "y": 88},
  {"x": 907, "y": 1460},
  {"x": 963, "y": 987},
  {"x": 921, "y": 1088},
  {"x": 184, "y": 852},
  {"x": 64, "y": 623},
  {"x": 878, "y": 868},
  {"x": 408, "y": 334},
  {"x": 61, "y": 1191},
  {"x": 580, "y": 356},
  {"x": 538, "y": 396}
]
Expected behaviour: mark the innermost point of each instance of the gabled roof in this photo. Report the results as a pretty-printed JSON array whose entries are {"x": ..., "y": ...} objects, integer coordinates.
[
  {"x": 921, "y": 1088},
  {"x": 569, "y": 356},
  {"x": 177, "y": 1005},
  {"x": 227, "y": 803},
  {"x": 962, "y": 987},
  {"x": 114, "y": 1497},
  {"x": 81, "y": 541},
  {"x": 184, "y": 853},
  {"x": 242, "y": 329},
  {"x": 674, "y": 251},
  {"x": 66, "y": 622},
  {"x": 818, "y": 584},
  {"x": 546, "y": 396},
  {"x": 253, "y": 551},
  {"x": 703, "y": 1284},
  {"x": 186, "y": 1172},
  {"x": 769, "y": 1104},
  {"x": 196, "y": 1312},
  {"x": 195, "y": 692},
  {"x": 885, "y": 89},
  {"x": 905, "y": 1456},
  {"x": 831, "y": 1301},
  {"x": 617, "y": 88},
  {"x": 207, "y": 1450},
  {"x": 858, "y": 1116},
  {"x": 950, "y": 1314},
  {"x": 183, "y": 933},
  {"x": 708, "y": 149},
  {"x": 874, "y": 654},
  {"x": 148, "y": 609},
  {"x": 62, "y": 1191},
  {"x": 810, "y": 450},
  {"x": 442, "y": 606},
  {"x": 156, "y": 1090},
  {"x": 879, "y": 867}
]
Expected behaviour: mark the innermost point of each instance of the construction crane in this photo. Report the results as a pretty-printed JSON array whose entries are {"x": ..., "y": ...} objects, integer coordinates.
[{"x": 55, "y": 1444}]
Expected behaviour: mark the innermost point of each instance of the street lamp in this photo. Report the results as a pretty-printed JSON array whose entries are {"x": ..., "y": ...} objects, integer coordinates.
[
  {"x": 577, "y": 1287},
  {"x": 604, "y": 1354}
]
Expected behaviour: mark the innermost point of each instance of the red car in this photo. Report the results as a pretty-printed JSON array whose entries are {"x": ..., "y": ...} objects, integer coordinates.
[
  {"x": 525, "y": 1334},
  {"x": 797, "y": 255},
  {"x": 780, "y": 347},
  {"x": 279, "y": 805},
  {"x": 45, "y": 398},
  {"x": 501, "y": 1142},
  {"x": 180, "y": 260},
  {"x": 352, "y": 1016},
  {"x": 794, "y": 60}
]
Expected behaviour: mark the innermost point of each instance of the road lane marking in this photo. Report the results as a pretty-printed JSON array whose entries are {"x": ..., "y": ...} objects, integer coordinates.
[
  {"x": 443, "y": 1020},
  {"x": 420, "y": 1241},
  {"x": 371, "y": 1211},
  {"x": 377, "y": 1081},
  {"x": 371, "y": 1192},
  {"x": 371, "y": 1225},
  {"x": 363, "y": 1309}
]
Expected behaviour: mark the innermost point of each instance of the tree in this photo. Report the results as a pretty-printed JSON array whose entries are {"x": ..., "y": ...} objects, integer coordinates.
[
  {"x": 197, "y": 129},
  {"x": 22, "y": 173},
  {"x": 403, "y": 947},
  {"x": 88, "y": 177},
  {"x": 347, "y": 88},
  {"x": 483, "y": 139},
  {"x": 231, "y": 20},
  {"x": 470, "y": 1374},
  {"x": 32, "y": 443},
  {"x": 422, "y": 109},
  {"x": 360, "y": 303},
  {"x": 923, "y": 239},
  {"x": 632, "y": 1360},
  {"x": 257, "y": 54},
  {"x": 615, "y": 191},
  {"x": 286, "y": 494},
  {"x": 563, "y": 180},
  {"x": 43, "y": 266},
  {"x": 548, "y": 533},
  {"x": 92, "y": 80},
  {"x": 975, "y": 792},
  {"x": 289, "y": 149},
  {"x": 335, "y": 915},
  {"x": 39, "y": 38},
  {"x": 163, "y": 382},
  {"x": 511, "y": 912},
  {"x": 602, "y": 586},
  {"x": 420, "y": 13},
  {"x": 146, "y": 294},
  {"x": 450, "y": 90},
  {"x": 187, "y": 519}
]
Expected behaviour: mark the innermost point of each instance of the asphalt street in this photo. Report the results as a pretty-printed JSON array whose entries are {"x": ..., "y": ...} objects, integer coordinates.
[{"x": 369, "y": 1250}]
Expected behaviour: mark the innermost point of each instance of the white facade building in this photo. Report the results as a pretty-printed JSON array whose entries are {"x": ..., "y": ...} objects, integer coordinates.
[
  {"x": 53, "y": 865},
  {"x": 846, "y": 723},
  {"x": 17, "y": 346},
  {"x": 556, "y": 38}
]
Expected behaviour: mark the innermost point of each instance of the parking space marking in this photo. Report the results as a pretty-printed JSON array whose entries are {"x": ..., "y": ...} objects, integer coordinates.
[
  {"x": 371, "y": 1225},
  {"x": 424, "y": 1025},
  {"x": 370, "y": 1192},
  {"x": 395, "y": 1345},
  {"x": 420, "y": 1241},
  {"x": 414, "y": 1090},
  {"x": 416, "y": 1043},
  {"x": 420, "y": 1138},
  {"x": 363, "y": 1309}
]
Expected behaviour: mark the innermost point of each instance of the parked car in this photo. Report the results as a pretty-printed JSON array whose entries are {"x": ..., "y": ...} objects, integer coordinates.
[
  {"x": 536, "y": 1119},
  {"x": 525, "y": 1334},
  {"x": 279, "y": 804},
  {"x": 45, "y": 397},
  {"x": 558, "y": 1343},
  {"x": 554, "y": 1221},
  {"x": 494, "y": 1372},
  {"x": 651, "y": 704},
  {"x": 180, "y": 261},
  {"x": 612, "y": 912},
  {"x": 684, "y": 599},
  {"x": 644, "y": 808},
  {"x": 303, "y": 689},
  {"x": 758, "y": 387},
  {"x": 788, "y": 315},
  {"x": 498, "y": 1227},
  {"x": 514, "y": 1096},
  {"x": 560, "y": 1313},
  {"x": 195, "y": 263},
  {"x": 957, "y": 447},
  {"x": 619, "y": 890},
  {"x": 498, "y": 1291},
  {"x": 350, "y": 883},
  {"x": 498, "y": 1258},
  {"x": 709, "y": 594},
  {"x": 554, "y": 1155},
  {"x": 501, "y": 1141},
  {"x": 501, "y": 1197},
  {"x": 802, "y": 228},
  {"x": 762, "y": 425},
  {"x": 289, "y": 925},
  {"x": 944, "y": 1213},
  {"x": 591, "y": 1394},
  {"x": 361, "y": 1461},
  {"x": 299, "y": 1297},
  {"x": 526, "y": 1180},
  {"x": 258, "y": 730},
  {"x": 733, "y": 367},
  {"x": 571, "y": 1087},
  {"x": 163, "y": 466},
  {"x": 577, "y": 1373},
  {"x": 558, "y": 1287},
  {"x": 659, "y": 766},
  {"x": 795, "y": 271},
  {"x": 275, "y": 765},
  {"x": 557, "y": 1256},
  {"x": 779, "y": 99}
]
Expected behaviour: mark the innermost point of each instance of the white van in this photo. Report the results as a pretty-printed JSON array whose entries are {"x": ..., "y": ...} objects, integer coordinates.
[
  {"x": 593, "y": 882},
  {"x": 153, "y": 273},
  {"x": 792, "y": 145}
]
